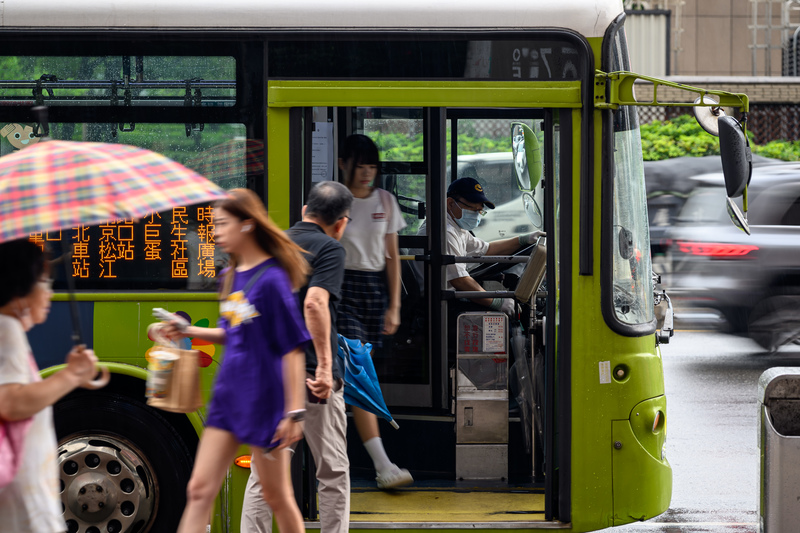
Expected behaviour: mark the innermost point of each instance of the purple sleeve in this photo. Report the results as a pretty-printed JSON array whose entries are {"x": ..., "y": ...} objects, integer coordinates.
[
  {"x": 221, "y": 322},
  {"x": 280, "y": 312}
]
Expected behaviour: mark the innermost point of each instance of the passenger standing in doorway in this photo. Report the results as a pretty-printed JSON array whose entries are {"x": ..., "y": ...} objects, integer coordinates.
[
  {"x": 371, "y": 291},
  {"x": 325, "y": 218},
  {"x": 259, "y": 391}
]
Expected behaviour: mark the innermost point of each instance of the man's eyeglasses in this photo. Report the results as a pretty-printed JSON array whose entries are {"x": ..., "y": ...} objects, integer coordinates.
[
  {"x": 347, "y": 217},
  {"x": 470, "y": 208}
]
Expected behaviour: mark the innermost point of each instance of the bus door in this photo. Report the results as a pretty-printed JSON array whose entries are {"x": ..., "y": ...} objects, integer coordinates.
[
  {"x": 422, "y": 150},
  {"x": 492, "y": 357},
  {"x": 403, "y": 360}
]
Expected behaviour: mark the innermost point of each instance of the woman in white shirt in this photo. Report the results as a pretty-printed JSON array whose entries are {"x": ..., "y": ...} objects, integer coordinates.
[
  {"x": 31, "y": 501},
  {"x": 370, "y": 305}
]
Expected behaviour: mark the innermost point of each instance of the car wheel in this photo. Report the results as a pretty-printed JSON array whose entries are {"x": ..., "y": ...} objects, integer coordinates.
[
  {"x": 123, "y": 467},
  {"x": 737, "y": 319},
  {"x": 775, "y": 321}
]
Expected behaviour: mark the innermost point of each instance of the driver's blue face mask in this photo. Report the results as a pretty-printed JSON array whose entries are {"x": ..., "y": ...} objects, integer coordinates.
[{"x": 469, "y": 219}]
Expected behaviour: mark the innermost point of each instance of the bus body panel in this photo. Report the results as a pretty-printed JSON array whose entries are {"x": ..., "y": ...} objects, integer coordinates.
[
  {"x": 588, "y": 17},
  {"x": 600, "y": 486}
]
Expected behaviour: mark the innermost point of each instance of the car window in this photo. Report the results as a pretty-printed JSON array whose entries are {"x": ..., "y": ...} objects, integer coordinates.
[
  {"x": 705, "y": 204},
  {"x": 792, "y": 215},
  {"x": 775, "y": 203}
]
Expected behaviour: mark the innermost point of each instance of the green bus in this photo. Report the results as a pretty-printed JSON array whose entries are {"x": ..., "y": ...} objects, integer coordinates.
[{"x": 554, "y": 421}]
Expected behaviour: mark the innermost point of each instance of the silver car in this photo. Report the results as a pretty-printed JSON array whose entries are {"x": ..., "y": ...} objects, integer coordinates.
[{"x": 753, "y": 281}]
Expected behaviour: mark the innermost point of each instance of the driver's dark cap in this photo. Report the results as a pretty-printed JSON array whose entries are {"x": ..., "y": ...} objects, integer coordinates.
[{"x": 470, "y": 190}]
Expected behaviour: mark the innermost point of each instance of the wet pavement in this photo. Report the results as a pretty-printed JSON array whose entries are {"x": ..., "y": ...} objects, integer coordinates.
[{"x": 712, "y": 422}]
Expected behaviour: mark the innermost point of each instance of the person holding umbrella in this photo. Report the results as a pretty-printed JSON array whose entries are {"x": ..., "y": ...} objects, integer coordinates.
[
  {"x": 32, "y": 501},
  {"x": 259, "y": 391},
  {"x": 371, "y": 290}
]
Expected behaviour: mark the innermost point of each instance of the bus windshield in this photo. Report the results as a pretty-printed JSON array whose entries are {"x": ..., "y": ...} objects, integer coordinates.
[
  {"x": 633, "y": 283},
  {"x": 632, "y": 266}
]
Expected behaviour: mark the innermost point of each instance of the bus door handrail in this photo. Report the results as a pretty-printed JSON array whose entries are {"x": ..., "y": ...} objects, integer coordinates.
[
  {"x": 453, "y": 259},
  {"x": 455, "y": 295}
]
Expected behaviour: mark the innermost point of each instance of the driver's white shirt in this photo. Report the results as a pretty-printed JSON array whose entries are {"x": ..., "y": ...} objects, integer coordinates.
[{"x": 459, "y": 243}]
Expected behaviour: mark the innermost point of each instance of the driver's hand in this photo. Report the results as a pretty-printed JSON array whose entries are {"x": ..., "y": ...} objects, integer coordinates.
[
  {"x": 508, "y": 307},
  {"x": 531, "y": 237}
]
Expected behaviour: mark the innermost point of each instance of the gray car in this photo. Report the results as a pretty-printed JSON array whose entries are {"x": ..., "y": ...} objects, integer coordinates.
[{"x": 754, "y": 281}]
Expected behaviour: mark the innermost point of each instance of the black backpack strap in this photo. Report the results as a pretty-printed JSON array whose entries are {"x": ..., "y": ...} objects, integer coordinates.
[{"x": 255, "y": 278}]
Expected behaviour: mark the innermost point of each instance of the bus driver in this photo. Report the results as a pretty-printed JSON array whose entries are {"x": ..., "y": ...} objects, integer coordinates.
[{"x": 466, "y": 204}]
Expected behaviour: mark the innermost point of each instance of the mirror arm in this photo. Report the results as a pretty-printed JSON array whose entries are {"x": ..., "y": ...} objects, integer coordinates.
[
  {"x": 667, "y": 329},
  {"x": 613, "y": 89},
  {"x": 744, "y": 202}
]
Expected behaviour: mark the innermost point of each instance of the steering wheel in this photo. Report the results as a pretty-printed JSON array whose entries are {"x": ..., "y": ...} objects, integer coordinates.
[{"x": 489, "y": 270}]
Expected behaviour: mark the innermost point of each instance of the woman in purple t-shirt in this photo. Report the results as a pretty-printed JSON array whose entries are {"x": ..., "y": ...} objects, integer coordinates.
[{"x": 259, "y": 391}]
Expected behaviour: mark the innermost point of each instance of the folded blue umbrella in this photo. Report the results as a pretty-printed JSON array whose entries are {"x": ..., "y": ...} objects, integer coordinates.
[{"x": 361, "y": 387}]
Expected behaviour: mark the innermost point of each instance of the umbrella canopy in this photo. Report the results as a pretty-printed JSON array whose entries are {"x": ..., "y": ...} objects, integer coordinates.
[
  {"x": 228, "y": 164},
  {"x": 55, "y": 185},
  {"x": 361, "y": 387}
]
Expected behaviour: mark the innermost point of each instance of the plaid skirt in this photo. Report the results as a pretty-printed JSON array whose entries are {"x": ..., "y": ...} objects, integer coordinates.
[{"x": 364, "y": 302}]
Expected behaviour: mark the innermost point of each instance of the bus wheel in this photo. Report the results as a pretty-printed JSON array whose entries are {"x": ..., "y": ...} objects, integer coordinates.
[{"x": 123, "y": 467}]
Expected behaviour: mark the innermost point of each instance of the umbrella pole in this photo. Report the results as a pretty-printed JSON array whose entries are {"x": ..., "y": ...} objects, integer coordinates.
[{"x": 77, "y": 338}]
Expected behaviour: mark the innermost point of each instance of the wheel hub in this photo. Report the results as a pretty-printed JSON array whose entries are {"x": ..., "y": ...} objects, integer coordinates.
[
  {"x": 92, "y": 498},
  {"x": 106, "y": 485}
]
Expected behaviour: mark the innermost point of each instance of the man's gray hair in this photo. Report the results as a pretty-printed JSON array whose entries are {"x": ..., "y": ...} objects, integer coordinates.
[{"x": 328, "y": 202}]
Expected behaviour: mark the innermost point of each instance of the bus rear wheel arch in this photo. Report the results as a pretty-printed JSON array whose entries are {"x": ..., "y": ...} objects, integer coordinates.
[{"x": 102, "y": 431}]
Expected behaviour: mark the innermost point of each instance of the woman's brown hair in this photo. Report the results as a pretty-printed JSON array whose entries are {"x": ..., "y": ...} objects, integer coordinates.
[{"x": 244, "y": 204}]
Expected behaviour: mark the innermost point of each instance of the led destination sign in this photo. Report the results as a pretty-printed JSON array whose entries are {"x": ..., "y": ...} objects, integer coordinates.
[{"x": 169, "y": 250}]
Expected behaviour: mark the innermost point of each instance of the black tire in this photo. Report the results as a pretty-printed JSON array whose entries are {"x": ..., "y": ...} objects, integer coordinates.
[
  {"x": 775, "y": 321},
  {"x": 737, "y": 320},
  {"x": 169, "y": 460}
]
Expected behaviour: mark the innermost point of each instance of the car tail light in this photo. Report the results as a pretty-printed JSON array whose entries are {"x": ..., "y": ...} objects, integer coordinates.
[{"x": 718, "y": 250}]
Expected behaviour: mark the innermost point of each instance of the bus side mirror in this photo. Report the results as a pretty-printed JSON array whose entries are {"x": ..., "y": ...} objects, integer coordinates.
[
  {"x": 734, "y": 150},
  {"x": 736, "y": 216},
  {"x": 737, "y": 160},
  {"x": 527, "y": 156},
  {"x": 527, "y": 168}
]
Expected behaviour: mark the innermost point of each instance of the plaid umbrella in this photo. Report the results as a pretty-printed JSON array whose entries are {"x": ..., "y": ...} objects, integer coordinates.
[
  {"x": 62, "y": 184},
  {"x": 55, "y": 185},
  {"x": 228, "y": 164}
]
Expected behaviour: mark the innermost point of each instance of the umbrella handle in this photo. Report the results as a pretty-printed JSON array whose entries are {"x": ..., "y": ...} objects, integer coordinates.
[
  {"x": 102, "y": 381},
  {"x": 77, "y": 338}
]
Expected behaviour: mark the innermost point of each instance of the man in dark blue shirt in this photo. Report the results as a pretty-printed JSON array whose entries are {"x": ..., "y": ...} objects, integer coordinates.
[{"x": 325, "y": 218}]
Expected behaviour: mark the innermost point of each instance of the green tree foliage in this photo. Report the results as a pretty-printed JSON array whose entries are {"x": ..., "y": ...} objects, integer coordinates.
[
  {"x": 401, "y": 147},
  {"x": 683, "y": 136}
]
